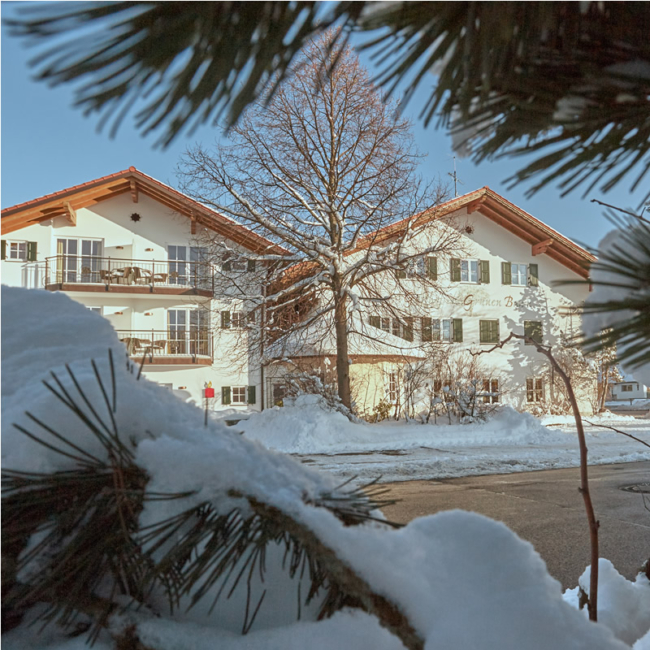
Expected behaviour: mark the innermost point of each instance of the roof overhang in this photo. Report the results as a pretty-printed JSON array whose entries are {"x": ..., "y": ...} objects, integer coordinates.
[
  {"x": 133, "y": 182},
  {"x": 543, "y": 239}
]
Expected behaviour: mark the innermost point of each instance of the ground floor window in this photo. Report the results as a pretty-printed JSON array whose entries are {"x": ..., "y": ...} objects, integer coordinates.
[
  {"x": 491, "y": 386},
  {"x": 238, "y": 395},
  {"x": 534, "y": 389},
  {"x": 393, "y": 387}
]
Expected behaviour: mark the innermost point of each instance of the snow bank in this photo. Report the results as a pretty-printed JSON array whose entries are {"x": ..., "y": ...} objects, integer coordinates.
[
  {"x": 623, "y": 606},
  {"x": 306, "y": 426},
  {"x": 606, "y": 418}
]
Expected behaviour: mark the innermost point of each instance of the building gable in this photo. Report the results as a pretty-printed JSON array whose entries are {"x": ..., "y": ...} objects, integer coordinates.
[{"x": 67, "y": 202}]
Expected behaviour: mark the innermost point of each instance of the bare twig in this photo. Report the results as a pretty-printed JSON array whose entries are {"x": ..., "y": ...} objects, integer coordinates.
[
  {"x": 623, "y": 433},
  {"x": 584, "y": 477}
]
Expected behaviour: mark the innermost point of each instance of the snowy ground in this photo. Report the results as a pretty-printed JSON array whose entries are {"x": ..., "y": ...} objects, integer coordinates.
[{"x": 511, "y": 442}]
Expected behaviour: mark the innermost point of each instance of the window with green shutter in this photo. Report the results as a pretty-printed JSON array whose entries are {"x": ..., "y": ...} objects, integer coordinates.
[
  {"x": 533, "y": 330},
  {"x": 458, "y": 330},
  {"x": 426, "y": 329},
  {"x": 432, "y": 268},
  {"x": 375, "y": 321},
  {"x": 225, "y": 394},
  {"x": 251, "y": 395},
  {"x": 533, "y": 275},
  {"x": 454, "y": 270},
  {"x": 400, "y": 274},
  {"x": 489, "y": 331},
  {"x": 506, "y": 273},
  {"x": 484, "y": 275},
  {"x": 251, "y": 265},
  {"x": 225, "y": 320}
]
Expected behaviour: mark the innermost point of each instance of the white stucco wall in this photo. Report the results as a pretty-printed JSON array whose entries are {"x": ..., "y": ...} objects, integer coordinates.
[{"x": 146, "y": 240}]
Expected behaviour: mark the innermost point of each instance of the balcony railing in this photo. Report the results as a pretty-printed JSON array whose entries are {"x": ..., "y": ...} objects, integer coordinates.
[
  {"x": 78, "y": 269},
  {"x": 156, "y": 345}
]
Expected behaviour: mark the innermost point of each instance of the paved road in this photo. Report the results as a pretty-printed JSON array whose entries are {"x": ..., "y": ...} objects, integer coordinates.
[{"x": 546, "y": 509}]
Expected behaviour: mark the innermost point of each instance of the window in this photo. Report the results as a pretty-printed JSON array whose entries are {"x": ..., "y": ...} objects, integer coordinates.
[
  {"x": 491, "y": 387},
  {"x": 472, "y": 271},
  {"x": 534, "y": 389},
  {"x": 489, "y": 331},
  {"x": 421, "y": 267},
  {"x": 188, "y": 331},
  {"x": 238, "y": 395},
  {"x": 188, "y": 265},
  {"x": 446, "y": 329},
  {"x": 403, "y": 329},
  {"x": 235, "y": 264},
  {"x": 236, "y": 319},
  {"x": 533, "y": 330},
  {"x": 627, "y": 388},
  {"x": 79, "y": 260},
  {"x": 19, "y": 251},
  {"x": 469, "y": 270},
  {"x": 393, "y": 388},
  {"x": 520, "y": 274}
]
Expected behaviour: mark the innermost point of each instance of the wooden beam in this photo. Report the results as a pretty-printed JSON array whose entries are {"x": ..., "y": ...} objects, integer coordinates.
[
  {"x": 475, "y": 205},
  {"x": 134, "y": 191},
  {"x": 541, "y": 247},
  {"x": 193, "y": 223},
  {"x": 70, "y": 214}
]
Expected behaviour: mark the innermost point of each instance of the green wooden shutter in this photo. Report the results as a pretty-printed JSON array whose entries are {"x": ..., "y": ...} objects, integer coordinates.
[
  {"x": 225, "y": 394},
  {"x": 426, "y": 329},
  {"x": 484, "y": 334},
  {"x": 251, "y": 395},
  {"x": 533, "y": 275},
  {"x": 485, "y": 272},
  {"x": 251, "y": 265},
  {"x": 4, "y": 249},
  {"x": 408, "y": 329},
  {"x": 533, "y": 330},
  {"x": 225, "y": 320},
  {"x": 506, "y": 273},
  {"x": 495, "y": 331},
  {"x": 458, "y": 330},
  {"x": 400, "y": 274},
  {"x": 227, "y": 266},
  {"x": 432, "y": 268},
  {"x": 454, "y": 270},
  {"x": 31, "y": 251},
  {"x": 375, "y": 321}
]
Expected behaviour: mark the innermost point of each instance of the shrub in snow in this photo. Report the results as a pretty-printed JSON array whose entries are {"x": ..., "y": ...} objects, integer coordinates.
[{"x": 132, "y": 521}]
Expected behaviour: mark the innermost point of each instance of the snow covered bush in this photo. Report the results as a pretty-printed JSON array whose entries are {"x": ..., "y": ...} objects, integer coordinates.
[{"x": 126, "y": 519}]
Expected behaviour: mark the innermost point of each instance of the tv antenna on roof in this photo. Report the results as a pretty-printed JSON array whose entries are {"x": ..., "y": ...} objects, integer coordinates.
[{"x": 455, "y": 177}]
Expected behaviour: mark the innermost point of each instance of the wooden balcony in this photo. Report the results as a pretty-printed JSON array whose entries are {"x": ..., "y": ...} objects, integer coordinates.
[
  {"x": 182, "y": 346},
  {"x": 105, "y": 274}
]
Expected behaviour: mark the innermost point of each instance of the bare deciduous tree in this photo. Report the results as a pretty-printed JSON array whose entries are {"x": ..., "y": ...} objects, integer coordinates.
[{"x": 323, "y": 169}]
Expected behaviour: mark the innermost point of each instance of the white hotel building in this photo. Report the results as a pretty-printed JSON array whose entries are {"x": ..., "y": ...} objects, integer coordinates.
[{"x": 125, "y": 246}]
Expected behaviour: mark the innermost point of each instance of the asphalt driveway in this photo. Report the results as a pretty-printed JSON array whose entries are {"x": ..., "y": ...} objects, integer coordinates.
[{"x": 545, "y": 508}]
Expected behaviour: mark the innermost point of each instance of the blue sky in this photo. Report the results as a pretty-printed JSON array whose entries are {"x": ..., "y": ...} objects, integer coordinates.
[{"x": 48, "y": 145}]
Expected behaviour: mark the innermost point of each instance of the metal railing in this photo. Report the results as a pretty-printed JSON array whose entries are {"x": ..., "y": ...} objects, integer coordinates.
[
  {"x": 179, "y": 342},
  {"x": 80, "y": 269}
]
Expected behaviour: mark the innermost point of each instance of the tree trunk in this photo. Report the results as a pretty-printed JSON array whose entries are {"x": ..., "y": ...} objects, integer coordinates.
[{"x": 342, "y": 363}]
